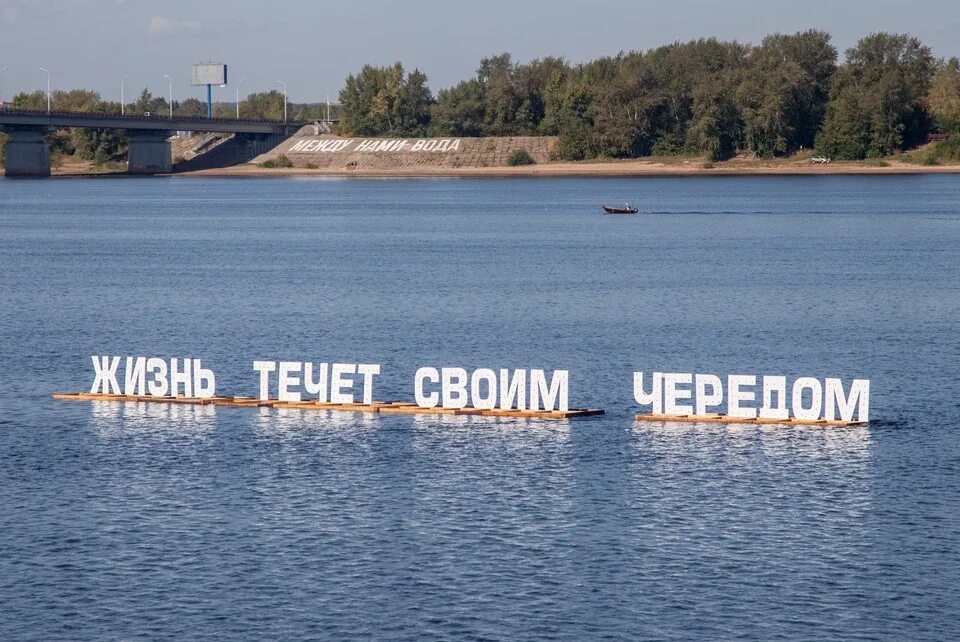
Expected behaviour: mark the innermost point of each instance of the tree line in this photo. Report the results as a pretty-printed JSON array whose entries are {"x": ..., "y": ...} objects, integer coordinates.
[{"x": 703, "y": 97}]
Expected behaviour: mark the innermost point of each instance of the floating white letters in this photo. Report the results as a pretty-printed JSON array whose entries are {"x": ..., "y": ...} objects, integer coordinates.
[
  {"x": 670, "y": 393},
  {"x": 153, "y": 376},
  {"x": 483, "y": 388},
  {"x": 323, "y": 382}
]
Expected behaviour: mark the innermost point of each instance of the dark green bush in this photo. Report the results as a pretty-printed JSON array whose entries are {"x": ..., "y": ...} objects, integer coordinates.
[
  {"x": 520, "y": 157},
  {"x": 279, "y": 162}
]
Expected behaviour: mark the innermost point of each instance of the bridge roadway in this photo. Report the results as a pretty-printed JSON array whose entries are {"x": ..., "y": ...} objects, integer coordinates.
[{"x": 28, "y": 153}]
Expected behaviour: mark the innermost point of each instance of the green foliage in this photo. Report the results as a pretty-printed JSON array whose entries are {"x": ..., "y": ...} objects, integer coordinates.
[
  {"x": 147, "y": 102},
  {"x": 61, "y": 146},
  {"x": 784, "y": 92},
  {"x": 704, "y": 98},
  {"x": 459, "y": 111},
  {"x": 3, "y": 149},
  {"x": 386, "y": 101},
  {"x": 943, "y": 98},
  {"x": 519, "y": 157},
  {"x": 34, "y": 100},
  {"x": 280, "y": 161},
  {"x": 877, "y": 104},
  {"x": 191, "y": 107},
  {"x": 266, "y": 105},
  {"x": 61, "y": 143},
  {"x": 99, "y": 145},
  {"x": 846, "y": 130},
  {"x": 946, "y": 151}
]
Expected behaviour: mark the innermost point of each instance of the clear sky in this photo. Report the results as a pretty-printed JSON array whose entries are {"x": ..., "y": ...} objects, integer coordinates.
[{"x": 313, "y": 45}]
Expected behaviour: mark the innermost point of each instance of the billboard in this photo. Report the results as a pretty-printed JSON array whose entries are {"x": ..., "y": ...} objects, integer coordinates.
[{"x": 208, "y": 73}]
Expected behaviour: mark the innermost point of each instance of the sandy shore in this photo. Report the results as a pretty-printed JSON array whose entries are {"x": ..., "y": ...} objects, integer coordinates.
[
  {"x": 613, "y": 168},
  {"x": 625, "y": 168}
]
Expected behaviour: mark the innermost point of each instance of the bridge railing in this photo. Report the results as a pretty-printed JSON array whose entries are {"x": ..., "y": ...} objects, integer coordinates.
[{"x": 139, "y": 117}]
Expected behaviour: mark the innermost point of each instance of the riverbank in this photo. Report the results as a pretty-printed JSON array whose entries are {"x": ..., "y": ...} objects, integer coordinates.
[
  {"x": 651, "y": 167},
  {"x": 613, "y": 168}
]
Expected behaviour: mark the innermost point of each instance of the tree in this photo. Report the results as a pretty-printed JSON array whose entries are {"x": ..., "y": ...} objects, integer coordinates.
[
  {"x": 147, "y": 102},
  {"x": 77, "y": 100},
  {"x": 34, "y": 100},
  {"x": 943, "y": 98},
  {"x": 99, "y": 145},
  {"x": 459, "y": 111},
  {"x": 386, "y": 101},
  {"x": 784, "y": 93},
  {"x": 266, "y": 105},
  {"x": 877, "y": 100},
  {"x": 190, "y": 107},
  {"x": 846, "y": 132}
]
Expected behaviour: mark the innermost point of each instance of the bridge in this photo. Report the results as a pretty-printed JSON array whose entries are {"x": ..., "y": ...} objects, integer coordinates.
[{"x": 28, "y": 153}]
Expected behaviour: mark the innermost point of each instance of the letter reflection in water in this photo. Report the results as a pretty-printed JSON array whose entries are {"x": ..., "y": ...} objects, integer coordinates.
[{"x": 151, "y": 421}]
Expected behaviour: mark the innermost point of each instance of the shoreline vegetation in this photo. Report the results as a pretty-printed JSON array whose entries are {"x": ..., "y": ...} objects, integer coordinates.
[
  {"x": 707, "y": 99},
  {"x": 645, "y": 167}
]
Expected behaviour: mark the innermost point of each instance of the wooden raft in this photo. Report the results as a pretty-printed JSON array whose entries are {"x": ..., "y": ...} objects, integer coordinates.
[
  {"x": 726, "y": 419},
  {"x": 377, "y": 407}
]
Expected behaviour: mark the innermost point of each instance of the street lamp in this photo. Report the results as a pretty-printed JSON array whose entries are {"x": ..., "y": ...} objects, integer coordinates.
[
  {"x": 170, "y": 81},
  {"x": 2, "y": 69},
  {"x": 121, "y": 92},
  {"x": 284, "y": 101},
  {"x": 48, "y": 87},
  {"x": 239, "y": 84}
]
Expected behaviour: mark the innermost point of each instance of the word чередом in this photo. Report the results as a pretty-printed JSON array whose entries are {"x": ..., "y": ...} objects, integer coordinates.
[{"x": 808, "y": 396}]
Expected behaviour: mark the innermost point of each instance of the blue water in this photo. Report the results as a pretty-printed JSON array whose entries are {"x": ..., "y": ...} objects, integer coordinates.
[{"x": 145, "y": 521}]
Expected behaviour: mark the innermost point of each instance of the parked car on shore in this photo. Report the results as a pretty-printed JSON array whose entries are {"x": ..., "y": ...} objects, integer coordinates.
[{"x": 820, "y": 159}]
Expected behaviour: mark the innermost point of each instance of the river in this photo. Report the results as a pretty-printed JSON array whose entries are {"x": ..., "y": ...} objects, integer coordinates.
[{"x": 166, "y": 522}]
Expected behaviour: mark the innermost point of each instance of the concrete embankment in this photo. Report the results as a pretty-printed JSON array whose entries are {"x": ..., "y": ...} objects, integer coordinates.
[
  {"x": 313, "y": 152},
  {"x": 335, "y": 153},
  {"x": 208, "y": 150}
]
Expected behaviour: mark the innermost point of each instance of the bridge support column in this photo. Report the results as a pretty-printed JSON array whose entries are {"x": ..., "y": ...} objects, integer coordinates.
[
  {"x": 149, "y": 152},
  {"x": 28, "y": 154}
]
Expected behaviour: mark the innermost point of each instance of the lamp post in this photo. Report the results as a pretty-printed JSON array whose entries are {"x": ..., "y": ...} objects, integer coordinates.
[
  {"x": 170, "y": 81},
  {"x": 2, "y": 69},
  {"x": 121, "y": 93},
  {"x": 48, "y": 87},
  {"x": 239, "y": 84},
  {"x": 284, "y": 101}
]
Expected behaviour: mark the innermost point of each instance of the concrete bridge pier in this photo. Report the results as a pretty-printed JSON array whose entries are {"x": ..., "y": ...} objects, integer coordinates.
[
  {"x": 149, "y": 152},
  {"x": 28, "y": 153}
]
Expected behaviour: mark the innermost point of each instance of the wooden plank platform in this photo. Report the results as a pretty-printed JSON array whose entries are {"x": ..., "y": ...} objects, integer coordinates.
[
  {"x": 377, "y": 407},
  {"x": 725, "y": 419}
]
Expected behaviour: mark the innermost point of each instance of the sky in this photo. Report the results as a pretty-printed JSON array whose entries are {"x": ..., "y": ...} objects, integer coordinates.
[{"x": 312, "y": 45}]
